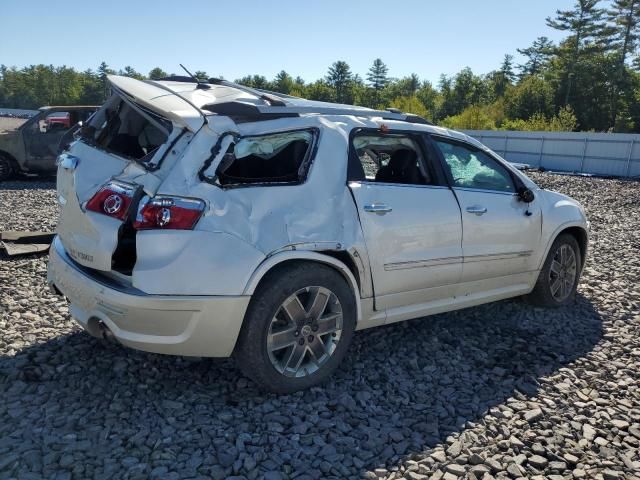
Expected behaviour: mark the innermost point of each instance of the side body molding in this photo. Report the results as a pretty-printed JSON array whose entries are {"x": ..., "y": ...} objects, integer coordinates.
[{"x": 278, "y": 258}]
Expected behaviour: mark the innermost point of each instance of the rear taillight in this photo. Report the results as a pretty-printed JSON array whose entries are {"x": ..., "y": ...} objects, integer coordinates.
[
  {"x": 113, "y": 200},
  {"x": 172, "y": 213}
]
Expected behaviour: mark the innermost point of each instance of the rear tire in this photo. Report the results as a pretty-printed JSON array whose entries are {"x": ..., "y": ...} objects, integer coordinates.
[
  {"x": 558, "y": 279},
  {"x": 7, "y": 168},
  {"x": 297, "y": 328}
]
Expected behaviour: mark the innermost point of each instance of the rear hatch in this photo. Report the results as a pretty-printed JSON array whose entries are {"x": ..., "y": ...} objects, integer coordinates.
[{"x": 122, "y": 155}]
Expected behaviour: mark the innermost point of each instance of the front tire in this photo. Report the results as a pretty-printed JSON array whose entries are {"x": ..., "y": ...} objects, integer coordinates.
[
  {"x": 6, "y": 168},
  {"x": 297, "y": 329},
  {"x": 558, "y": 279}
]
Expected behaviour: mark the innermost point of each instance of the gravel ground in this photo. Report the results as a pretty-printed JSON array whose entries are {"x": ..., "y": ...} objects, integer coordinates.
[{"x": 499, "y": 391}]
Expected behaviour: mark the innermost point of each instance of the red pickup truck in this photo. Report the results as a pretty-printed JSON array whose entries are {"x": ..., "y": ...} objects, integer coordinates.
[{"x": 58, "y": 120}]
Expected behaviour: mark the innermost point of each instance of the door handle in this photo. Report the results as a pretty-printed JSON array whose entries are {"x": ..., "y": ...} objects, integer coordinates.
[
  {"x": 379, "y": 208},
  {"x": 477, "y": 209}
]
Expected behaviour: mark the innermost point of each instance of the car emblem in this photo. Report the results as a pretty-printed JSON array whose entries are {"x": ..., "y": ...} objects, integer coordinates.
[{"x": 112, "y": 204}]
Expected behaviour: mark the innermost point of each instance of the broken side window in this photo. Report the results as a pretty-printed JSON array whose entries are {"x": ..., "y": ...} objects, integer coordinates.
[
  {"x": 126, "y": 130},
  {"x": 282, "y": 157}
]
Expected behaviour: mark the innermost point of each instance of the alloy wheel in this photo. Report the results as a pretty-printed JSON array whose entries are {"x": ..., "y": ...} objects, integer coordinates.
[
  {"x": 5, "y": 168},
  {"x": 563, "y": 272},
  {"x": 305, "y": 331}
]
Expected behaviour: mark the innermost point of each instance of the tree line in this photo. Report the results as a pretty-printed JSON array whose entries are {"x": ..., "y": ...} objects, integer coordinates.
[{"x": 590, "y": 80}]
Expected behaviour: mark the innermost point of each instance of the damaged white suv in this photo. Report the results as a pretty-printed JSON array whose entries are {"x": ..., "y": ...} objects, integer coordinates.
[{"x": 210, "y": 219}]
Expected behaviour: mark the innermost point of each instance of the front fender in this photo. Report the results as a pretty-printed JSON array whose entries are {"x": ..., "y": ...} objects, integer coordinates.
[
  {"x": 278, "y": 258},
  {"x": 560, "y": 213}
]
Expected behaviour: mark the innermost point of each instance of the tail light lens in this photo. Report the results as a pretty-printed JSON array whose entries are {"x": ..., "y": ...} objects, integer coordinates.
[
  {"x": 113, "y": 200},
  {"x": 172, "y": 213}
]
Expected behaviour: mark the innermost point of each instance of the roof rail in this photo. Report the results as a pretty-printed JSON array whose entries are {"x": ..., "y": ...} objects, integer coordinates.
[
  {"x": 251, "y": 111},
  {"x": 280, "y": 105}
]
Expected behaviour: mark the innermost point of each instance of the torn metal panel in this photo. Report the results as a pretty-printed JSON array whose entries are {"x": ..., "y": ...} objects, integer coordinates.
[
  {"x": 24, "y": 243},
  {"x": 15, "y": 249}
]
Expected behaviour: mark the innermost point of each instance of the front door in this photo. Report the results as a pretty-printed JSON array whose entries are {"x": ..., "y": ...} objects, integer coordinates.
[
  {"x": 411, "y": 223},
  {"x": 500, "y": 232},
  {"x": 42, "y": 138}
]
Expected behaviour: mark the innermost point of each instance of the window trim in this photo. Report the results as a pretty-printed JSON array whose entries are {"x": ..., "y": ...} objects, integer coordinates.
[
  {"x": 518, "y": 184},
  {"x": 307, "y": 161},
  {"x": 426, "y": 149}
]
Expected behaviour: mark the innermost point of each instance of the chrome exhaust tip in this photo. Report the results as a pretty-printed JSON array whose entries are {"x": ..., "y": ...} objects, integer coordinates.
[{"x": 106, "y": 333}]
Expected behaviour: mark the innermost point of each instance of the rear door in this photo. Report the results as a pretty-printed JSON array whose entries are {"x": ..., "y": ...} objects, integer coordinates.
[
  {"x": 411, "y": 222},
  {"x": 500, "y": 232}
]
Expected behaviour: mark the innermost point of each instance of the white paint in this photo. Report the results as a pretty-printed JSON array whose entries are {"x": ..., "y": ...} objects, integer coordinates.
[{"x": 424, "y": 256}]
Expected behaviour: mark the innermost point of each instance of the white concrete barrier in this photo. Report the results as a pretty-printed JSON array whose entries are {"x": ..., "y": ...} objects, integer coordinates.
[{"x": 615, "y": 154}]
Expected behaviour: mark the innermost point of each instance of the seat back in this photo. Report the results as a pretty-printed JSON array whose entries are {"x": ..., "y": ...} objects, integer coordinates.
[{"x": 402, "y": 168}]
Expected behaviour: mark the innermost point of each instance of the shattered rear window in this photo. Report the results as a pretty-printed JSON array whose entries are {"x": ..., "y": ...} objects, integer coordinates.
[
  {"x": 127, "y": 131},
  {"x": 275, "y": 158}
]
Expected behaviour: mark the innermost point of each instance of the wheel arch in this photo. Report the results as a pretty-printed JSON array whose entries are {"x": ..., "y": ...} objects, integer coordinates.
[
  {"x": 579, "y": 232},
  {"x": 582, "y": 237},
  {"x": 289, "y": 257},
  {"x": 11, "y": 158}
]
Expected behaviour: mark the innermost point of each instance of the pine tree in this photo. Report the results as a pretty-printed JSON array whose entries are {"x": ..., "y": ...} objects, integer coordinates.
[
  {"x": 283, "y": 82},
  {"x": 103, "y": 71},
  {"x": 377, "y": 78},
  {"x": 624, "y": 18},
  {"x": 585, "y": 23},
  {"x": 129, "y": 71},
  {"x": 413, "y": 83},
  {"x": 339, "y": 77},
  {"x": 507, "y": 68},
  {"x": 537, "y": 54}
]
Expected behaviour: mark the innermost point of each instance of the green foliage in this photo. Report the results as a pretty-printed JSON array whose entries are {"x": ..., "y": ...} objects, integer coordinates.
[
  {"x": 475, "y": 117},
  {"x": 130, "y": 72},
  {"x": 157, "y": 73},
  {"x": 377, "y": 75},
  {"x": 538, "y": 55},
  {"x": 588, "y": 80},
  {"x": 565, "y": 121},
  {"x": 283, "y": 83},
  {"x": 340, "y": 78},
  {"x": 532, "y": 95},
  {"x": 410, "y": 105}
]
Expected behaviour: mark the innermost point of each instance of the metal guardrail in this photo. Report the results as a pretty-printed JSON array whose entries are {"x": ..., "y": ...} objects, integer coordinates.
[{"x": 582, "y": 152}]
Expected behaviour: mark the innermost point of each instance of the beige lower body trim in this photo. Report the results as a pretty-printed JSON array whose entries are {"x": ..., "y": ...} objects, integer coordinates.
[
  {"x": 202, "y": 326},
  {"x": 480, "y": 292}
]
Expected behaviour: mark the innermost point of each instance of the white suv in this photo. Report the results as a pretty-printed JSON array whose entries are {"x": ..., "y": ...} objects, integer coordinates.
[{"x": 210, "y": 219}]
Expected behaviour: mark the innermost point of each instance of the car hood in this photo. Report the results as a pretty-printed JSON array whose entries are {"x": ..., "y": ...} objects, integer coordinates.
[{"x": 9, "y": 132}]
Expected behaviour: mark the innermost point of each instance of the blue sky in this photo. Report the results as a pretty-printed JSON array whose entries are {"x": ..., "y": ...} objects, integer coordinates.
[{"x": 235, "y": 38}]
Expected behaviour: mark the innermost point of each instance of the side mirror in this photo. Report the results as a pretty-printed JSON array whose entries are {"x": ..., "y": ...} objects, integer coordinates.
[{"x": 526, "y": 195}]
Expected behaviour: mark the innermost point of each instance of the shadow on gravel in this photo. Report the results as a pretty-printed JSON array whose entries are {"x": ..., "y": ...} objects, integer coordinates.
[
  {"x": 29, "y": 183},
  {"x": 74, "y": 404}
]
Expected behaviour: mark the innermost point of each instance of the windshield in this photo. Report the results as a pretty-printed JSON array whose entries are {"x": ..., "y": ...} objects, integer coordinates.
[{"x": 127, "y": 130}]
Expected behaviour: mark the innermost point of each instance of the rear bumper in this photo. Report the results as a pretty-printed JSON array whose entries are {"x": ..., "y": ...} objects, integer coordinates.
[{"x": 204, "y": 326}]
